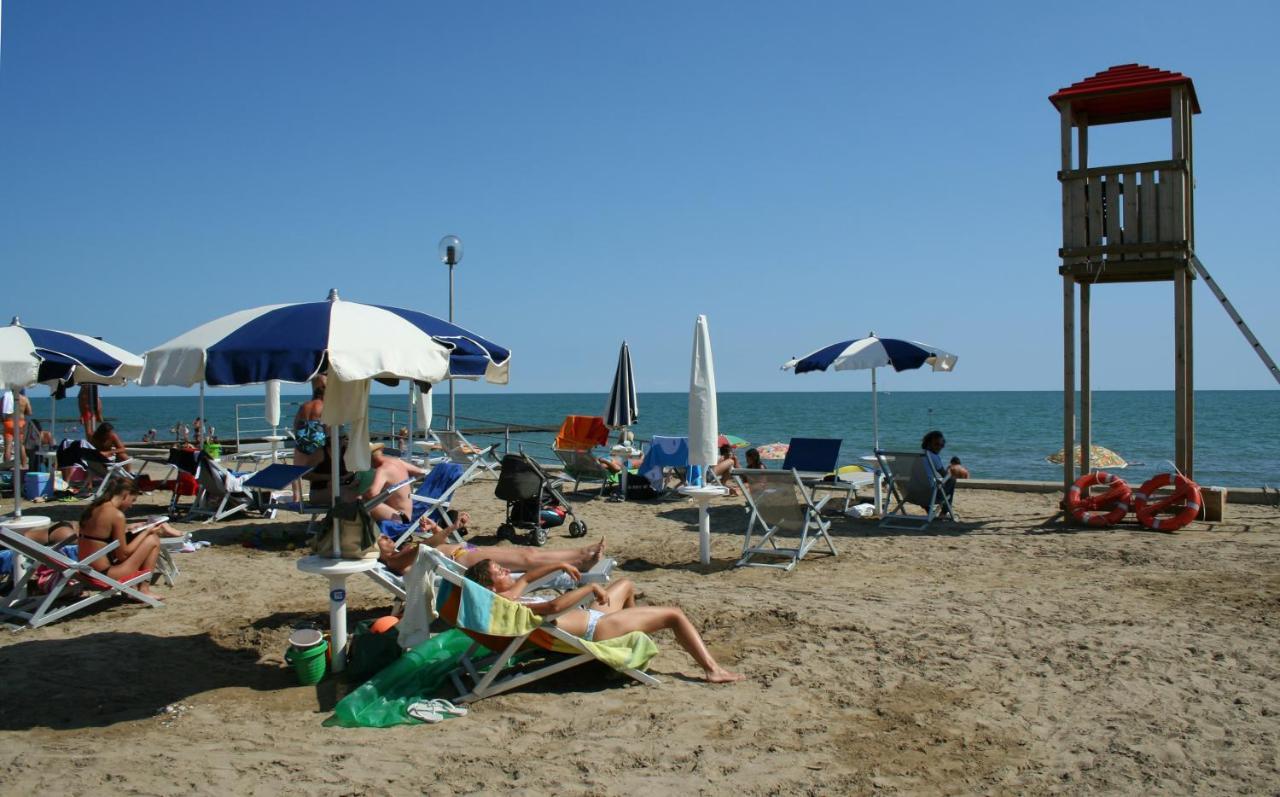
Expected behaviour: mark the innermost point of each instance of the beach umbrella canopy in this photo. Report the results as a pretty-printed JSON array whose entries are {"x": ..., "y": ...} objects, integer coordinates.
[
  {"x": 30, "y": 354},
  {"x": 773, "y": 450},
  {"x": 623, "y": 409},
  {"x": 873, "y": 352},
  {"x": 294, "y": 342},
  {"x": 732, "y": 440},
  {"x": 704, "y": 416},
  {"x": 1099, "y": 457}
]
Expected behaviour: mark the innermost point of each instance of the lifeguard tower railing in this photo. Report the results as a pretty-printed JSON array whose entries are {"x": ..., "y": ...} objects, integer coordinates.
[{"x": 1127, "y": 223}]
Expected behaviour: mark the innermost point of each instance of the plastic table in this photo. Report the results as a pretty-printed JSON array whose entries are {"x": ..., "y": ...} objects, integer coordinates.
[
  {"x": 703, "y": 496},
  {"x": 337, "y": 571}
]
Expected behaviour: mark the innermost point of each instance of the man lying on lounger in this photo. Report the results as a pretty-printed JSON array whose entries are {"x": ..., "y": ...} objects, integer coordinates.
[{"x": 515, "y": 558}]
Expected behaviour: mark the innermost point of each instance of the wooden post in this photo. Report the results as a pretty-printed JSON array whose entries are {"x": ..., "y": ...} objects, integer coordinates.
[
  {"x": 1180, "y": 368},
  {"x": 1189, "y": 467},
  {"x": 1068, "y": 380},
  {"x": 1086, "y": 387}
]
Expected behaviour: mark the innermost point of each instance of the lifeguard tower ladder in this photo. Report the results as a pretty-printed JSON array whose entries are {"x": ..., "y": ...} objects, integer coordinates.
[{"x": 1131, "y": 223}]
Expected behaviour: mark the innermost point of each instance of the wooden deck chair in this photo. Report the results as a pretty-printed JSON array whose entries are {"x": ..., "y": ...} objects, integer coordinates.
[
  {"x": 779, "y": 502},
  {"x": 514, "y": 629},
  {"x": 910, "y": 480},
  {"x": 38, "y": 610},
  {"x": 461, "y": 451}
]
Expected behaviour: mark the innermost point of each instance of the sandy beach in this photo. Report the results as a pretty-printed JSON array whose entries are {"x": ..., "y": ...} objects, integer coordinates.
[{"x": 1005, "y": 654}]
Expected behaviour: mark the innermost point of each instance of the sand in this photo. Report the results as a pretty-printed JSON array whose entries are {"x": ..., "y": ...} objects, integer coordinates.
[{"x": 1005, "y": 654}]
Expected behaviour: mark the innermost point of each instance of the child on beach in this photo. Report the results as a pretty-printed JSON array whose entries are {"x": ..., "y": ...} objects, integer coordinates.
[{"x": 613, "y": 614}]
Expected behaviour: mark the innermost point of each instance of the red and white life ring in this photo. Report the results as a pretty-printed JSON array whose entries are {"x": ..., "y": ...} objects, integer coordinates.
[
  {"x": 1185, "y": 492},
  {"x": 1106, "y": 509}
]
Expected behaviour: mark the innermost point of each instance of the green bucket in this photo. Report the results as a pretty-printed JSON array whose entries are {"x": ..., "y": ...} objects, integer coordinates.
[{"x": 308, "y": 663}]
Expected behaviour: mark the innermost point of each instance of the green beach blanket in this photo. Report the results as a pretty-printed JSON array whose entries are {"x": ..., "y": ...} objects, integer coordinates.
[{"x": 485, "y": 612}]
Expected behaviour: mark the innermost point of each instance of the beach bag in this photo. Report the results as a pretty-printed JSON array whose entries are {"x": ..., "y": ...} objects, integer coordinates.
[
  {"x": 360, "y": 533},
  {"x": 311, "y": 437},
  {"x": 369, "y": 653}
]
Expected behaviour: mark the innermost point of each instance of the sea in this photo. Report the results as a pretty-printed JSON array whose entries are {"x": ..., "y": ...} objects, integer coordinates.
[{"x": 997, "y": 435}]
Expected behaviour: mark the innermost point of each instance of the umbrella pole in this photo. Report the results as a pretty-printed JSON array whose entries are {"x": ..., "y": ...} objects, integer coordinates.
[
  {"x": 203, "y": 421},
  {"x": 875, "y": 414},
  {"x": 333, "y": 489}
]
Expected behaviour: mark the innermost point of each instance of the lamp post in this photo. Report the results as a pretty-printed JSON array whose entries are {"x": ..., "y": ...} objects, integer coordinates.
[{"x": 450, "y": 249}]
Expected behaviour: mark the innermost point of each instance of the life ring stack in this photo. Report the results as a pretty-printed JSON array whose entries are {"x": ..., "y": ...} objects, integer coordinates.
[
  {"x": 1102, "y": 510},
  {"x": 1185, "y": 493}
]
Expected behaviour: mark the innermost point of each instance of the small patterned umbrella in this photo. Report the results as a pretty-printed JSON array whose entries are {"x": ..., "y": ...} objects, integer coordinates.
[
  {"x": 732, "y": 440},
  {"x": 1099, "y": 457},
  {"x": 773, "y": 451}
]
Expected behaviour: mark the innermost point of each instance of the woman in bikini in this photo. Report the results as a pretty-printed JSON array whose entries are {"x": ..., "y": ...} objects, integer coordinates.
[
  {"x": 103, "y": 523},
  {"x": 613, "y": 614}
]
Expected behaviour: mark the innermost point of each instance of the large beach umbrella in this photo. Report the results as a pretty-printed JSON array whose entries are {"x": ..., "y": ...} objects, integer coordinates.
[
  {"x": 30, "y": 354},
  {"x": 871, "y": 353}
]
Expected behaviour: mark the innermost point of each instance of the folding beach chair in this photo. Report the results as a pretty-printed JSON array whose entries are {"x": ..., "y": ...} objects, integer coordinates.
[
  {"x": 222, "y": 493},
  {"x": 100, "y": 470},
  {"x": 527, "y": 647},
  {"x": 910, "y": 480},
  {"x": 37, "y": 610},
  {"x": 575, "y": 445},
  {"x": 432, "y": 498},
  {"x": 664, "y": 454},
  {"x": 815, "y": 456},
  {"x": 779, "y": 502},
  {"x": 463, "y": 452},
  {"x": 272, "y": 483}
]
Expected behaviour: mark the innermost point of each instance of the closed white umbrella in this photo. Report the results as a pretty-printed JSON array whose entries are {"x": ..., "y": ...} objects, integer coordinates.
[
  {"x": 704, "y": 431},
  {"x": 704, "y": 418},
  {"x": 273, "y": 403}
]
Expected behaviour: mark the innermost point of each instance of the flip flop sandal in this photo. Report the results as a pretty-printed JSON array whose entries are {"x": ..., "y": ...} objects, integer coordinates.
[
  {"x": 423, "y": 711},
  {"x": 447, "y": 709}
]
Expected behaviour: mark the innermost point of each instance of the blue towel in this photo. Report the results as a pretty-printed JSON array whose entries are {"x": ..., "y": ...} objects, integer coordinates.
[{"x": 664, "y": 452}]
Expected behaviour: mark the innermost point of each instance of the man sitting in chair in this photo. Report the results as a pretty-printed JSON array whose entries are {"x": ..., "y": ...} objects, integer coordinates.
[{"x": 388, "y": 471}]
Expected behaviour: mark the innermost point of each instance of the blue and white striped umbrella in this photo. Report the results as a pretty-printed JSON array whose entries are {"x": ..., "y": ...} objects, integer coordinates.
[
  {"x": 29, "y": 355},
  {"x": 623, "y": 409},
  {"x": 871, "y": 353},
  {"x": 294, "y": 342}
]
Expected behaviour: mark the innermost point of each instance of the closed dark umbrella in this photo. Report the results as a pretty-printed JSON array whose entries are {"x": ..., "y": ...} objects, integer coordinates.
[{"x": 623, "y": 409}]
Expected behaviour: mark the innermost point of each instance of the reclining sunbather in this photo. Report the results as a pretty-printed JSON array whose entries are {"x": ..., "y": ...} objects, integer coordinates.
[
  {"x": 517, "y": 558},
  {"x": 388, "y": 471},
  {"x": 613, "y": 614}
]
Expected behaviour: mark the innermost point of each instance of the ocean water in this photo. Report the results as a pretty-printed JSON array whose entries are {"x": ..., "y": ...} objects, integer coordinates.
[{"x": 999, "y": 435}]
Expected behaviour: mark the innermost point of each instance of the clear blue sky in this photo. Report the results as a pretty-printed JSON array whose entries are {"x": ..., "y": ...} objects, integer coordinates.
[{"x": 802, "y": 173}]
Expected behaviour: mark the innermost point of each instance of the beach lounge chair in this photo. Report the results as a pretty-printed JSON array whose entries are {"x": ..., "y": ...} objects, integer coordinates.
[
  {"x": 779, "y": 502},
  {"x": 812, "y": 456},
  {"x": 463, "y": 452},
  {"x": 100, "y": 470},
  {"x": 38, "y": 610},
  {"x": 910, "y": 480},
  {"x": 575, "y": 445},
  {"x": 526, "y": 647},
  {"x": 272, "y": 483},
  {"x": 432, "y": 498},
  {"x": 222, "y": 493}
]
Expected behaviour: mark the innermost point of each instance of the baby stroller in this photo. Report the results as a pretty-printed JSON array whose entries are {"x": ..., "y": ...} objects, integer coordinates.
[{"x": 534, "y": 505}]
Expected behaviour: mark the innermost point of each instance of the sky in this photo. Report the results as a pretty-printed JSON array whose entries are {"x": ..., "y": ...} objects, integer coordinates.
[{"x": 802, "y": 173}]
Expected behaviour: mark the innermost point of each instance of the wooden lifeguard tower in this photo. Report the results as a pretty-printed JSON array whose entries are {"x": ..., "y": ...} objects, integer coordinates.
[{"x": 1128, "y": 223}]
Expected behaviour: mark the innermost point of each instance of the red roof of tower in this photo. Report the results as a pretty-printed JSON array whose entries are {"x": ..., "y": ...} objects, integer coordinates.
[{"x": 1125, "y": 93}]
